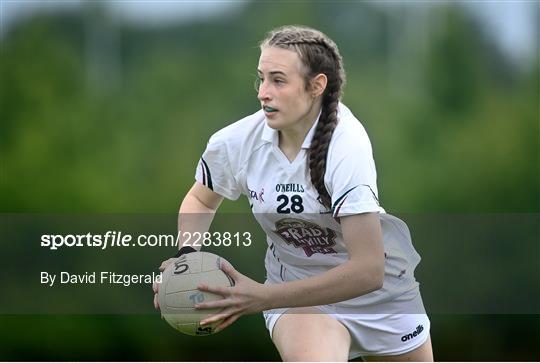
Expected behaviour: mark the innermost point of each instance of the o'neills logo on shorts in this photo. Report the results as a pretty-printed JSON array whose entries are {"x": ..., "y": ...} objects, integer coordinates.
[
  {"x": 414, "y": 334},
  {"x": 306, "y": 235}
]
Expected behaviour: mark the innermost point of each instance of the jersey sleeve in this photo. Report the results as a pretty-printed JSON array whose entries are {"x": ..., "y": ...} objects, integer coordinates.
[
  {"x": 351, "y": 178},
  {"x": 216, "y": 170}
]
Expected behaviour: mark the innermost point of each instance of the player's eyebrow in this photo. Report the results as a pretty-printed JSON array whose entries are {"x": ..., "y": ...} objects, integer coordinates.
[{"x": 273, "y": 73}]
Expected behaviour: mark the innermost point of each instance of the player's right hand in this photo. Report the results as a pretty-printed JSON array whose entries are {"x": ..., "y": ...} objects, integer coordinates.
[
  {"x": 155, "y": 285},
  {"x": 163, "y": 267}
]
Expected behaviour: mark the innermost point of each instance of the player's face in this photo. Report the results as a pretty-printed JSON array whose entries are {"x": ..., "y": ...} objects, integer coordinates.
[{"x": 284, "y": 98}]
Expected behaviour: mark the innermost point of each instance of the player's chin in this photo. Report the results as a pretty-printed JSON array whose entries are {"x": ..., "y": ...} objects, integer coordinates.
[{"x": 275, "y": 122}]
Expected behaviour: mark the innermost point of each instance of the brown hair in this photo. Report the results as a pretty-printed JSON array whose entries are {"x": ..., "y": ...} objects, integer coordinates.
[{"x": 319, "y": 54}]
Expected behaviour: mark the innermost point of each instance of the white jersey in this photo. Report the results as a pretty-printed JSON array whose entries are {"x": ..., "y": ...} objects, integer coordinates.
[{"x": 304, "y": 238}]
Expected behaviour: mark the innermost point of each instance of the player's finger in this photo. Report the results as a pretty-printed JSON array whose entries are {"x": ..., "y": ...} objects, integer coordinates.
[
  {"x": 230, "y": 270},
  {"x": 223, "y": 291},
  {"x": 155, "y": 287},
  {"x": 223, "y": 303},
  {"x": 216, "y": 317},
  {"x": 156, "y": 303},
  {"x": 231, "y": 319},
  {"x": 164, "y": 265}
]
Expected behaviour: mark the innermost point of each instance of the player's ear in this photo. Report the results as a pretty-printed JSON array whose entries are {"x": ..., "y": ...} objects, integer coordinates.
[{"x": 318, "y": 84}]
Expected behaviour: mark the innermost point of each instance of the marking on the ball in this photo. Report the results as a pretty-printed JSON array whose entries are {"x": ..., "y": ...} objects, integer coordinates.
[
  {"x": 204, "y": 331},
  {"x": 197, "y": 297}
]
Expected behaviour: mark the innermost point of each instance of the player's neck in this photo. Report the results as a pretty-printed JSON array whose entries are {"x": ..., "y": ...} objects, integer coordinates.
[
  {"x": 292, "y": 138},
  {"x": 289, "y": 147}
]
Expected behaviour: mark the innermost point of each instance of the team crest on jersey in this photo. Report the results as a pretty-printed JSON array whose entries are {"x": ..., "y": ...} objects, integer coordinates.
[{"x": 309, "y": 236}]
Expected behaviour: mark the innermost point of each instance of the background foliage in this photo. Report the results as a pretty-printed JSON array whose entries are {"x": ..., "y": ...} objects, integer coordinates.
[{"x": 99, "y": 116}]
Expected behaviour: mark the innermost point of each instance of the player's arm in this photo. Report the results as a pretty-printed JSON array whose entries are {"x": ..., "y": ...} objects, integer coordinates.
[
  {"x": 196, "y": 213},
  {"x": 361, "y": 274}
]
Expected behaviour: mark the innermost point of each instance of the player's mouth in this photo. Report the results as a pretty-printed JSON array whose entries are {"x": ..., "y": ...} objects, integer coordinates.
[{"x": 269, "y": 110}]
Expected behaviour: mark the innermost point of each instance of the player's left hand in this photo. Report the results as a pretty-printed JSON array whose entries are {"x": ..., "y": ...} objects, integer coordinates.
[{"x": 245, "y": 297}]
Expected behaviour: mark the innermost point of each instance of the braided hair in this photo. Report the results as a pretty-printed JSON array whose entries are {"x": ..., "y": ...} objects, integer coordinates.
[{"x": 319, "y": 54}]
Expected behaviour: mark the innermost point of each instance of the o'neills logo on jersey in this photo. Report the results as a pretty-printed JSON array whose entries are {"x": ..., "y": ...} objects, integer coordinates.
[
  {"x": 290, "y": 187},
  {"x": 311, "y": 237}
]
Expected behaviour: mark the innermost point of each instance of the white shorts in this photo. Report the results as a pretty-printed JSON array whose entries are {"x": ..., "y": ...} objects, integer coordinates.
[{"x": 388, "y": 328}]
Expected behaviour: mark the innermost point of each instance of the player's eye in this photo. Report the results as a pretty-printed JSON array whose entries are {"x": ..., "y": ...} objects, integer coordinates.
[{"x": 258, "y": 81}]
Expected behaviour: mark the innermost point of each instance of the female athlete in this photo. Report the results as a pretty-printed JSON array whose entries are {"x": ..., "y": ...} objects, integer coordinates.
[{"x": 340, "y": 271}]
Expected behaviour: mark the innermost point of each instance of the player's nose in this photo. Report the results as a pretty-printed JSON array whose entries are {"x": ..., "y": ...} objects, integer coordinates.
[{"x": 263, "y": 93}]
